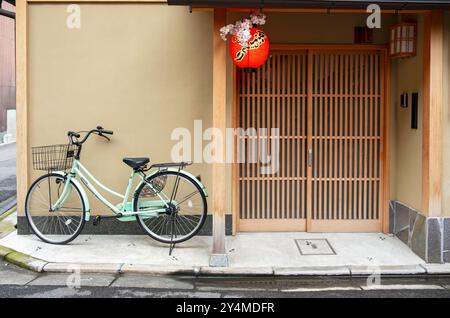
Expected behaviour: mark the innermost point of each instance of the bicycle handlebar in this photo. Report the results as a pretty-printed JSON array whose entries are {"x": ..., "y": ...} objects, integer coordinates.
[
  {"x": 73, "y": 134},
  {"x": 98, "y": 131},
  {"x": 104, "y": 131}
]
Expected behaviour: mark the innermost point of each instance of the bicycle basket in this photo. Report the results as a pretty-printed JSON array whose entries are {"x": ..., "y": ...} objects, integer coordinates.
[
  {"x": 53, "y": 157},
  {"x": 158, "y": 185}
]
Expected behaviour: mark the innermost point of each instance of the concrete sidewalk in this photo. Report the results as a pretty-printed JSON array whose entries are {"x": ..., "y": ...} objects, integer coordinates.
[{"x": 249, "y": 254}]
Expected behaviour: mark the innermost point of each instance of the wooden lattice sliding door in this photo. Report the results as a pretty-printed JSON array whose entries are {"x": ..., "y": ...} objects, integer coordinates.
[
  {"x": 346, "y": 110},
  {"x": 328, "y": 107},
  {"x": 274, "y": 97}
]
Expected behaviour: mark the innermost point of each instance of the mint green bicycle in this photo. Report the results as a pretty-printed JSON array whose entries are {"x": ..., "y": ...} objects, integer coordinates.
[{"x": 169, "y": 203}]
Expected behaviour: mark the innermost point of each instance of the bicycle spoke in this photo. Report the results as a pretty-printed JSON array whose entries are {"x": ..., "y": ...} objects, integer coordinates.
[
  {"x": 189, "y": 221},
  {"x": 150, "y": 221},
  {"x": 160, "y": 225},
  {"x": 176, "y": 221},
  {"x": 188, "y": 197}
]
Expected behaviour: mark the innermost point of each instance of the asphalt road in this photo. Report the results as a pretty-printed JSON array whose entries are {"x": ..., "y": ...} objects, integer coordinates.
[
  {"x": 17, "y": 282},
  {"x": 7, "y": 171},
  {"x": 12, "y": 291}
]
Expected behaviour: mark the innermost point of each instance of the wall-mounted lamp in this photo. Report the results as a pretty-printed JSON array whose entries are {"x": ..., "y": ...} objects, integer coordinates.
[{"x": 403, "y": 41}]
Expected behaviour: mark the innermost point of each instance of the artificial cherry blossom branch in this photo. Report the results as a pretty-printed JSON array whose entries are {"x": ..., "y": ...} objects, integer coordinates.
[{"x": 241, "y": 29}]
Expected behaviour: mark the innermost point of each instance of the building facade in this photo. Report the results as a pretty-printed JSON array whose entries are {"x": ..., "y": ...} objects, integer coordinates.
[
  {"x": 350, "y": 158},
  {"x": 7, "y": 66}
]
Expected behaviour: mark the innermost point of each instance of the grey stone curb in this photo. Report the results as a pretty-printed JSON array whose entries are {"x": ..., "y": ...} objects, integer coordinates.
[
  {"x": 313, "y": 271},
  {"x": 437, "y": 269},
  {"x": 246, "y": 271},
  {"x": 17, "y": 258},
  {"x": 7, "y": 207},
  {"x": 22, "y": 260},
  {"x": 106, "y": 268},
  {"x": 38, "y": 265},
  {"x": 159, "y": 269},
  {"x": 387, "y": 270},
  {"x": 236, "y": 271}
]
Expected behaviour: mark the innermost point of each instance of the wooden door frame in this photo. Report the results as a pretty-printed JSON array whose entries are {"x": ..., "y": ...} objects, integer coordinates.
[{"x": 385, "y": 131}]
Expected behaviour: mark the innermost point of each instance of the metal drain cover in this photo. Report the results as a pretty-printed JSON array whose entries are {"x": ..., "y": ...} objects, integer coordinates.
[{"x": 314, "y": 247}]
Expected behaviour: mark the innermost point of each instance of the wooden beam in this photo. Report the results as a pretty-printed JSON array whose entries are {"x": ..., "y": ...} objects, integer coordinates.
[
  {"x": 304, "y": 10},
  {"x": 327, "y": 47},
  {"x": 432, "y": 114},
  {"x": 97, "y": 1},
  {"x": 21, "y": 105},
  {"x": 219, "y": 122},
  {"x": 234, "y": 9}
]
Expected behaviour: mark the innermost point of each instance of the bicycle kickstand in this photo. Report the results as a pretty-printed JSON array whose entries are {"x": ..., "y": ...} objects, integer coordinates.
[{"x": 172, "y": 245}]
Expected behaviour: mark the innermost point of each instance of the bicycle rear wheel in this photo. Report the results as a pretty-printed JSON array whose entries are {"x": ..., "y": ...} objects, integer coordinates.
[
  {"x": 59, "y": 226},
  {"x": 187, "y": 209}
]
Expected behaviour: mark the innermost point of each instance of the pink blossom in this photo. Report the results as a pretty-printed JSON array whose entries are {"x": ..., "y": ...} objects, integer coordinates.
[{"x": 241, "y": 29}]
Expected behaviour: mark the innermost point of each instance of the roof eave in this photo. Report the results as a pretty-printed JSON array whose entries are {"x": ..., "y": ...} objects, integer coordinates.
[{"x": 342, "y": 4}]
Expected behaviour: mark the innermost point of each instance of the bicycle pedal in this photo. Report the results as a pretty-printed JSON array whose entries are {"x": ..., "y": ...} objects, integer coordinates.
[{"x": 97, "y": 220}]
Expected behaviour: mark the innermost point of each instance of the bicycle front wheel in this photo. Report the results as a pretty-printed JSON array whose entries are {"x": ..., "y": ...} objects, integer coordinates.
[
  {"x": 186, "y": 208},
  {"x": 54, "y": 225}
]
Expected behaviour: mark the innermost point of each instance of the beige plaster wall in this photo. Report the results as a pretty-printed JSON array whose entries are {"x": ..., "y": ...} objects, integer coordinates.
[
  {"x": 408, "y": 162},
  {"x": 140, "y": 70}
]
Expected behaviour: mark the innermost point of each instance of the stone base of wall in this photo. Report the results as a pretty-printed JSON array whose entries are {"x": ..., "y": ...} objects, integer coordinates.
[
  {"x": 428, "y": 237},
  {"x": 113, "y": 226}
]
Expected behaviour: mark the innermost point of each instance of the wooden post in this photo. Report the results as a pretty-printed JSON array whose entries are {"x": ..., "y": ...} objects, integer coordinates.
[
  {"x": 432, "y": 113},
  {"x": 219, "y": 257},
  {"x": 21, "y": 104},
  {"x": 386, "y": 157}
]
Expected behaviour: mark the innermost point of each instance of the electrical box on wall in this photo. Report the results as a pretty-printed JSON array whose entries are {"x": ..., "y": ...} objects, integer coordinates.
[
  {"x": 414, "y": 110},
  {"x": 404, "y": 100}
]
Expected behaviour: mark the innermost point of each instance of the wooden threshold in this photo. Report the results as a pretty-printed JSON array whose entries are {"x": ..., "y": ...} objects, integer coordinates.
[
  {"x": 344, "y": 226},
  {"x": 272, "y": 225}
]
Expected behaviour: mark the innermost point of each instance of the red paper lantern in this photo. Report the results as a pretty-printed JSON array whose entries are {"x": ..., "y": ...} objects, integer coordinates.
[{"x": 253, "y": 55}]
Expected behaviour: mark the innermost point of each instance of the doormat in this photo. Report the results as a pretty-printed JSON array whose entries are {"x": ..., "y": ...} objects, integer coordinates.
[{"x": 314, "y": 247}]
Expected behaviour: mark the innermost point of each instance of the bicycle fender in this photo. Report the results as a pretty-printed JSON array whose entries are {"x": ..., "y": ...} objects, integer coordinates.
[{"x": 83, "y": 194}]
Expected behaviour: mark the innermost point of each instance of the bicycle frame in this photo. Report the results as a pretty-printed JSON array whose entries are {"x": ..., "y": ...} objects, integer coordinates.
[{"x": 125, "y": 208}]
